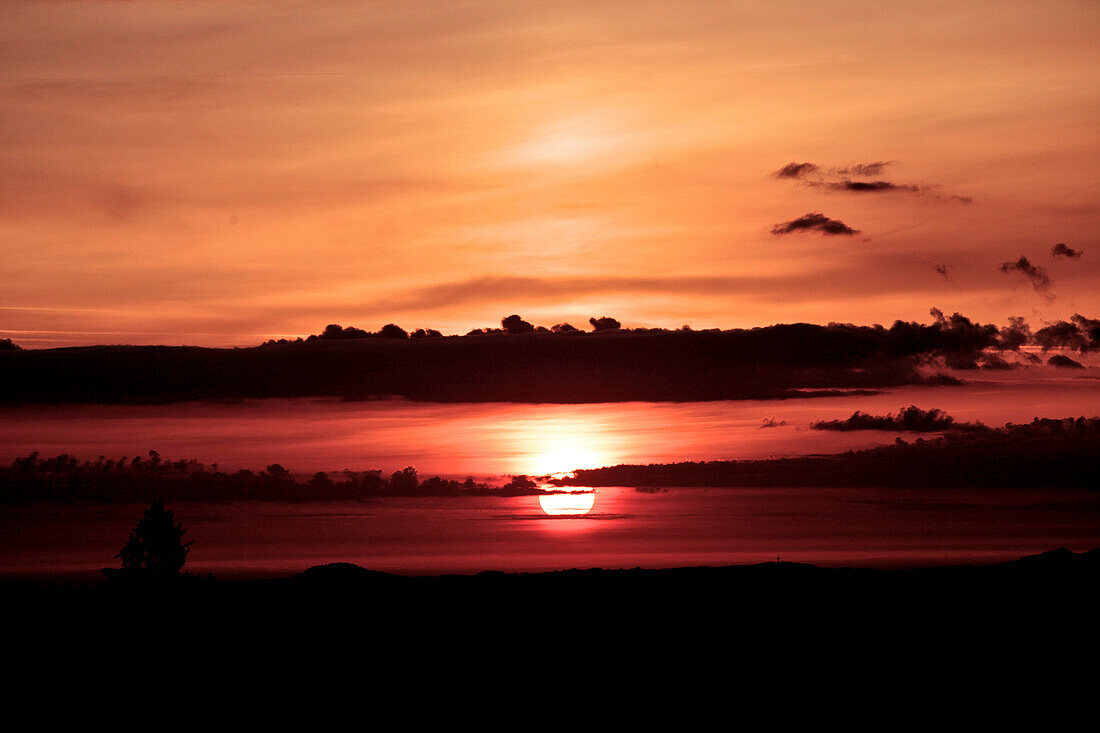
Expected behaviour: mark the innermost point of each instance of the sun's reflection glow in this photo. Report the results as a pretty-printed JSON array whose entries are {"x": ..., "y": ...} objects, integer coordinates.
[{"x": 568, "y": 504}]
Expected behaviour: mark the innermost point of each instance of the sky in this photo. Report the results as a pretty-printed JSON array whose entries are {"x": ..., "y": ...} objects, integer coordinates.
[{"x": 222, "y": 173}]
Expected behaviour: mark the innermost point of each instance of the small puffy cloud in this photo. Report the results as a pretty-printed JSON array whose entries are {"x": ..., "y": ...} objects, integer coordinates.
[
  {"x": 814, "y": 222},
  {"x": 1063, "y": 250}
]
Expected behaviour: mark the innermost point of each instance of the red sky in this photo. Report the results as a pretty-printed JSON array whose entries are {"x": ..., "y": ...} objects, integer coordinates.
[{"x": 221, "y": 173}]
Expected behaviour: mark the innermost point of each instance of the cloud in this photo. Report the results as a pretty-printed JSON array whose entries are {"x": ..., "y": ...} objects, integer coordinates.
[
  {"x": 944, "y": 271},
  {"x": 863, "y": 169},
  {"x": 1063, "y": 250},
  {"x": 803, "y": 170},
  {"x": 1038, "y": 276},
  {"x": 843, "y": 179},
  {"x": 867, "y": 186},
  {"x": 814, "y": 222},
  {"x": 795, "y": 170}
]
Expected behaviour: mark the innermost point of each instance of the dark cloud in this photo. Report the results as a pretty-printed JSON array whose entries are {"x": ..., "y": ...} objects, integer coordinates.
[
  {"x": 944, "y": 271},
  {"x": 814, "y": 222},
  {"x": 1063, "y": 250},
  {"x": 1036, "y": 275},
  {"x": 795, "y": 170},
  {"x": 771, "y": 422},
  {"x": 868, "y": 186}
]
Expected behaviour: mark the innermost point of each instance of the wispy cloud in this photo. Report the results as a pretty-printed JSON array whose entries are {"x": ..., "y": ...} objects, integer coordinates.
[
  {"x": 846, "y": 179},
  {"x": 1037, "y": 276}
]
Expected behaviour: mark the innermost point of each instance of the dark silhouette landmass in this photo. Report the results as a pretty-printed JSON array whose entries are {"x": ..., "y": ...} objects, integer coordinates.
[
  {"x": 778, "y": 610},
  {"x": 910, "y": 419},
  {"x": 1045, "y": 453},
  {"x": 64, "y": 478},
  {"x": 1064, "y": 362},
  {"x": 521, "y": 362}
]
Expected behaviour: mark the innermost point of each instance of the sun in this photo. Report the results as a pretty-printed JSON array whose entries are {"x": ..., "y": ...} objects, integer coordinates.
[{"x": 568, "y": 504}]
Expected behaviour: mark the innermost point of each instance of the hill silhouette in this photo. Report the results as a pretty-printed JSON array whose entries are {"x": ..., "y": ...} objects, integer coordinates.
[
  {"x": 563, "y": 366},
  {"x": 768, "y": 608}
]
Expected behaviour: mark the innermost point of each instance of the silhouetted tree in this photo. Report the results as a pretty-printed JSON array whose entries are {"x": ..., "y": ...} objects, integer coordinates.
[
  {"x": 605, "y": 323},
  {"x": 404, "y": 481},
  {"x": 334, "y": 332},
  {"x": 423, "y": 333},
  {"x": 321, "y": 482},
  {"x": 393, "y": 331},
  {"x": 7, "y": 345},
  {"x": 156, "y": 547},
  {"x": 276, "y": 469},
  {"x": 518, "y": 486},
  {"x": 515, "y": 324},
  {"x": 562, "y": 328}
]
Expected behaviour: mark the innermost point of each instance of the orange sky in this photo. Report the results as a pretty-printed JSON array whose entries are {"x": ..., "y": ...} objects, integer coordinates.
[{"x": 220, "y": 173}]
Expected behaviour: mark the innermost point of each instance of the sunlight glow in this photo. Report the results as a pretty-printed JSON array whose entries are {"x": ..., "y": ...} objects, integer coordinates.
[
  {"x": 582, "y": 139},
  {"x": 565, "y": 458}
]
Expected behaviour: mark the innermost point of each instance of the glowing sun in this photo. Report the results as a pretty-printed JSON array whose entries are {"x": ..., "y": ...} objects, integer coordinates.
[{"x": 572, "y": 504}]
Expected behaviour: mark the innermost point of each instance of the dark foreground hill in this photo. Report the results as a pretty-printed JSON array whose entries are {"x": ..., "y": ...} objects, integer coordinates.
[
  {"x": 729, "y": 614},
  {"x": 772, "y": 362}
]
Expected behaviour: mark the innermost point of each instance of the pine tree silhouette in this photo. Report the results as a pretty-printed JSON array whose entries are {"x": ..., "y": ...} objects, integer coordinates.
[{"x": 156, "y": 547}]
